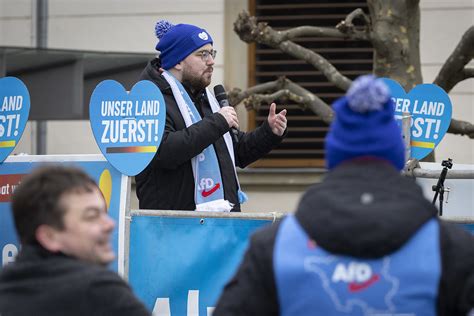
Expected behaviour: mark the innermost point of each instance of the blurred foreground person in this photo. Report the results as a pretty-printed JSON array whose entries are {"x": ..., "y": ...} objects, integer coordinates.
[
  {"x": 61, "y": 219},
  {"x": 363, "y": 242}
]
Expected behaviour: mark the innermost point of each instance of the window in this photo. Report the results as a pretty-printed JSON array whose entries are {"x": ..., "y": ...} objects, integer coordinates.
[{"x": 304, "y": 145}]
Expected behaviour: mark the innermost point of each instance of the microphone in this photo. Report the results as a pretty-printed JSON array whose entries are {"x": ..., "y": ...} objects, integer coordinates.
[{"x": 221, "y": 97}]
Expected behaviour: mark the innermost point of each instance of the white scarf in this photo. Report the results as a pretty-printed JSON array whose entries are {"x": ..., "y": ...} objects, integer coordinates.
[{"x": 220, "y": 205}]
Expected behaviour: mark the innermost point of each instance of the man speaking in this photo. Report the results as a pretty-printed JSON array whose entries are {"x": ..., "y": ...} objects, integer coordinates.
[{"x": 194, "y": 168}]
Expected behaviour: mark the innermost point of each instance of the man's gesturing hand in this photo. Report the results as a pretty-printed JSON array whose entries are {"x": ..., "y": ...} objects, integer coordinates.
[{"x": 276, "y": 121}]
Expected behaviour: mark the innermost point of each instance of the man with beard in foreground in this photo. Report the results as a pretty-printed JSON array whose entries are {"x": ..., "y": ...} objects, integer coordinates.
[{"x": 194, "y": 167}]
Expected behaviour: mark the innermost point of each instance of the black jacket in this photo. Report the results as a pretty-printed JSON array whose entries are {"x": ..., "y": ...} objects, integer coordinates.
[
  {"x": 168, "y": 183},
  {"x": 41, "y": 283},
  {"x": 331, "y": 213}
]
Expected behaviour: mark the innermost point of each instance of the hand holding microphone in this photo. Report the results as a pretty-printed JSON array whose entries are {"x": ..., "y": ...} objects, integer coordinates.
[
  {"x": 227, "y": 111},
  {"x": 231, "y": 116}
]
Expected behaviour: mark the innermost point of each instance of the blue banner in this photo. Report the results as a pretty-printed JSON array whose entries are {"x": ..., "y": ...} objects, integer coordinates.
[
  {"x": 127, "y": 127},
  {"x": 431, "y": 110},
  {"x": 178, "y": 266},
  {"x": 14, "y": 111},
  {"x": 469, "y": 227},
  {"x": 11, "y": 173}
]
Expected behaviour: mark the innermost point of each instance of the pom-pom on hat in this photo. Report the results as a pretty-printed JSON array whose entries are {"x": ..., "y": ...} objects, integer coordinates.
[
  {"x": 176, "y": 42},
  {"x": 365, "y": 125}
]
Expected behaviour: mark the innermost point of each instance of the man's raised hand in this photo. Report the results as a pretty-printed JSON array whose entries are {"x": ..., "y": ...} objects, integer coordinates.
[{"x": 276, "y": 121}]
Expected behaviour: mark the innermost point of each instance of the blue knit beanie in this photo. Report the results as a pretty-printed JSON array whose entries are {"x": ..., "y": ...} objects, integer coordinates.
[
  {"x": 365, "y": 125},
  {"x": 176, "y": 42}
]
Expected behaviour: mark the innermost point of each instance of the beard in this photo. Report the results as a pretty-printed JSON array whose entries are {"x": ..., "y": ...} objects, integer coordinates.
[{"x": 199, "y": 82}]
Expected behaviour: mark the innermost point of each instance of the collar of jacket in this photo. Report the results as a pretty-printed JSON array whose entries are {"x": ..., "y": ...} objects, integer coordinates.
[{"x": 364, "y": 208}]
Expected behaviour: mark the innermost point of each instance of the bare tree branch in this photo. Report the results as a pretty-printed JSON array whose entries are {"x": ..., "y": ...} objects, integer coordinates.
[
  {"x": 305, "y": 31},
  {"x": 255, "y": 100},
  {"x": 452, "y": 71},
  {"x": 468, "y": 73},
  {"x": 249, "y": 31},
  {"x": 347, "y": 26},
  {"x": 237, "y": 95},
  {"x": 461, "y": 128},
  {"x": 357, "y": 13},
  {"x": 254, "y": 96}
]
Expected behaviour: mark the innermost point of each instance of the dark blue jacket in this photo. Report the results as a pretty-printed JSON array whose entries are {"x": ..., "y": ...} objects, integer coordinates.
[
  {"x": 336, "y": 215},
  {"x": 44, "y": 284}
]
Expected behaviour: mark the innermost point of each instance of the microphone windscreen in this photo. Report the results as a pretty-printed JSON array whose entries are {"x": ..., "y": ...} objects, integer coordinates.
[{"x": 220, "y": 93}]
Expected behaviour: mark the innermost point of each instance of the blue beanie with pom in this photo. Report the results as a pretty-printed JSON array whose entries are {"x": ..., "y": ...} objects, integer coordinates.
[
  {"x": 365, "y": 125},
  {"x": 176, "y": 42}
]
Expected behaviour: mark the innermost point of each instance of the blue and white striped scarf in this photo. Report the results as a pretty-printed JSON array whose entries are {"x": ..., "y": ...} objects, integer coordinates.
[{"x": 208, "y": 186}]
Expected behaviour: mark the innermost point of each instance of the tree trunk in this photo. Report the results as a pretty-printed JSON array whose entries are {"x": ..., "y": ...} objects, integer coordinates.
[{"x": 396, "y": 37}]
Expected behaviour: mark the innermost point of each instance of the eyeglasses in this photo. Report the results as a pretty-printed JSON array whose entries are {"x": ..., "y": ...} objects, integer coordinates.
[{"x": 204, "y": 54}]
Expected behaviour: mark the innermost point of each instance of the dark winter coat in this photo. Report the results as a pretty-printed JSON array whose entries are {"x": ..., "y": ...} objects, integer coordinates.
[
  {"x": 44, "y": 284},
  {"x": 168, "y": 182},
  {"x": 331, "y": 213}
]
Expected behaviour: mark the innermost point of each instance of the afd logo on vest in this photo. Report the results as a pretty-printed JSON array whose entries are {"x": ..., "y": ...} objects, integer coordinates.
[
  {"x": 358, "y": 276},
  {"x": 351, "y": 285}
]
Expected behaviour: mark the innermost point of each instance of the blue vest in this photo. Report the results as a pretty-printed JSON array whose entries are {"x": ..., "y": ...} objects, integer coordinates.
[{"x": 313, "y": 281}]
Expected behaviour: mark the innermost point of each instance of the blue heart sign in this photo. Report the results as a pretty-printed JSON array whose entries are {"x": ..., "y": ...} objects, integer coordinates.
[
  {"x": 128, "y": 127},
  {"x": 14, "y": 111},
  {"x": 430, "y": 109}
]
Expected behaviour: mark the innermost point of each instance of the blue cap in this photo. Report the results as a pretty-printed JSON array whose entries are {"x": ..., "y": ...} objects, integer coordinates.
[
  {"x": 176, "y": 42},
  {"x": 365, "y": 125}
]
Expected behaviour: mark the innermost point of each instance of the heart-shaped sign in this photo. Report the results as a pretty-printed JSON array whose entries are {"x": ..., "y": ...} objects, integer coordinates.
[
  {"x": 128, "y": 127},
  {"x": 203, "y": 36},
  {"x": 430, "y": 109},
  {"x": 14, "y": 111}
]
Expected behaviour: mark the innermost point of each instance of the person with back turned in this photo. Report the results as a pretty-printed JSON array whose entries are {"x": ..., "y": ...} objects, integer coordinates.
[
  {"x": 364, "y": 241},
  {"x": 61, "y": 219},
  {"x": 194, "y": 168}
]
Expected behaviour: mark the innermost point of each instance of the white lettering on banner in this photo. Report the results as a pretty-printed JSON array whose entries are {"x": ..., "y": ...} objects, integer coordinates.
[
  {"x": 354, "y": 272},
  {"x": 429, "y": 108},
  {"x": 12, "y": 103},
  {"x": 162, "y": 305},
  {"x": 124, "y": 108},
  {"x": 5, "y": 189},
  {"x": 419, "y": 123},
  {"x": 422, "y": 126},
  {"x": 129, "y": 130},
  {"x": 193, "y": 302},
  {"x": 149, "y": 107},
  {"x": 9, "y": 253},
  {"x": 401, "y": 105},
  {"x": 12, "y": 123},
  {"x": 116, "y": 108}
]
